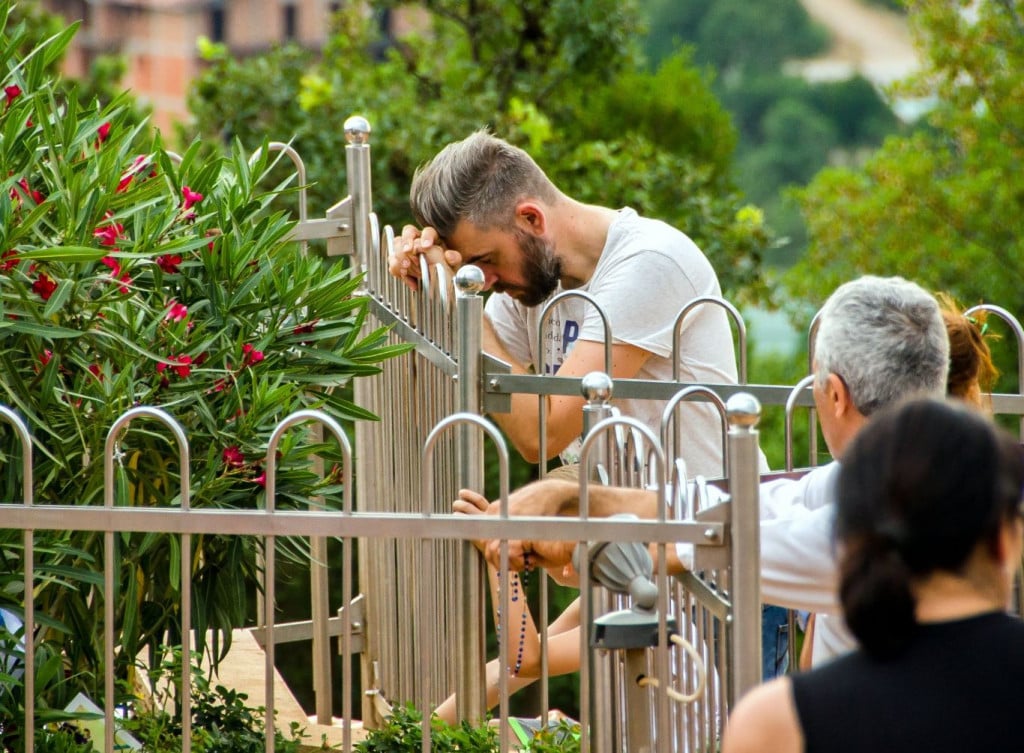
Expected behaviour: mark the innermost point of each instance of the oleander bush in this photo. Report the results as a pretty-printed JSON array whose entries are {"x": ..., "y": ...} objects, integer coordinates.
[{"x": 130, "y": 276}]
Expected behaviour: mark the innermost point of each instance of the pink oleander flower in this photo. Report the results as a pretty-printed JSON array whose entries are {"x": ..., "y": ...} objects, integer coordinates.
[
  {"x": 44, "y": 287},
  {"x": 183, "y": 367},
  {"x": 261, "y": 480},
  {"x": 191, "y": 197},
  {"x": 103, "y": 132},
  {"x": 176, "y": 312},
  {"x": 137, "y": 166},
  {"x": 94, "y": 369},
  {"x": 113, "y": 264},
  {"x": 233, "y": 457},
  {"x": 36, "y": 196},
  {"x": 12, "y": 92},
  {"x": 168, "y": 263},
  {"x": 250, "y": 355},
  {"x": 8, "y": 260},
  {"x": 305, "y": 329},
  {"x": 46, "y": 356},
  {"x": 108, "y": 234},
  {"x": 126, "y": 281}
]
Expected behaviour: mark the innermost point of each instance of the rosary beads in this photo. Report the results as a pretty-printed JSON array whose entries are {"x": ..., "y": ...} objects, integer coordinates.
[{"x": 518, "y": 591}]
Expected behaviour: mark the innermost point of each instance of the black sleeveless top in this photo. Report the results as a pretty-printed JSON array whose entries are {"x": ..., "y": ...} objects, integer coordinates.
[{"x": 958, "y": 688}]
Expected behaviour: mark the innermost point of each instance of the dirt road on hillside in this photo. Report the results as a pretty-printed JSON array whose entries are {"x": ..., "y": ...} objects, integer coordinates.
[{"x": 869, "y": 39}]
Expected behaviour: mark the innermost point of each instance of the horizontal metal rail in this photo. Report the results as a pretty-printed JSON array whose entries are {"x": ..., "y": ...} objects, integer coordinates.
[{"x": 317, "y": 523}]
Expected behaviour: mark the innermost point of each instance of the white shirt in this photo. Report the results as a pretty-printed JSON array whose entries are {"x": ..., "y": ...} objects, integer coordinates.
[{"x": 798, "y": 567}]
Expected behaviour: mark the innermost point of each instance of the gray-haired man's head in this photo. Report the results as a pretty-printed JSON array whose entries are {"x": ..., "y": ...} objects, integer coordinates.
[{"x": 885, "y": 338}]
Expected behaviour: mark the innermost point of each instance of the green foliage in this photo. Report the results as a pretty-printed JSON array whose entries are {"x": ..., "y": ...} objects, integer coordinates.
[
  {"x": 788, "y": 129},
  {"x": 561, "y": 79},
  {"x": 129, "y": 278},
  {"x": 734, "y": 36},
  {"x": 61, "y": 738},
  {"x": 671, "y": 107},
  {"x": 31, "y": 24},
  {"x": 54, "y": 690},
  {"x": 402, "y": 732},
  {"x": 797, "y": 142},
  {"x": 943, "y": 205},
  {"x": 563, "y": 736},
  {"x": 222, "y": 720}
]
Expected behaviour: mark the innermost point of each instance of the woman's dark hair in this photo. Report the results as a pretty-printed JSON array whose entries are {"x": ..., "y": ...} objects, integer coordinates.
[{"x": 920, "y": 487}]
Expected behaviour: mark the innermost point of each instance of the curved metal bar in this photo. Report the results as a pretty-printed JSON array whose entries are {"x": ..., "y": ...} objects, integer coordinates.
[
  {"x": 375, "y": 271},
  {"x": 812, "y": 419},
  {"x": 270, "y": 468},
  {"x": 185, "y": 495},
  {"x": 144, "y": 411},
  {"x": 293, "y": 419},
  {"x": 1018, "y": 333},
  {"x": 737, "y": 318},
  {"x": 28, "y": 542},
  {"x": 542, "y": 410},
  {"x": 667, "y": 416},
  {"x": 794, "y": 394},
  {"x": 394, "y": 298},
  {"x": 427, "y": 565},
  {"x": 587, "y": 693},
  {"x": 300, "y": 167},
  {"x": 426, "y": 294}
]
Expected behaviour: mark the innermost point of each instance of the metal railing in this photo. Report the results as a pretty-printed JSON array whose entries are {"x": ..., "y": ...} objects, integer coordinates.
[{"x": 421, "y": 590}]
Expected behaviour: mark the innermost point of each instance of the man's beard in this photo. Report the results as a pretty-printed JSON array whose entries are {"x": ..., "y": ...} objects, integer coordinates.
[{"x": 540, "y": 268}]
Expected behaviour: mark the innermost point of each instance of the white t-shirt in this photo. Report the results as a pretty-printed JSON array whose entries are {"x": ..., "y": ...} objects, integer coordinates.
[{"x": 647, "y": 273}]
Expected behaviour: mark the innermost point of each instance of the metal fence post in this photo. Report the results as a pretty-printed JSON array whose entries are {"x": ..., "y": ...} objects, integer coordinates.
[
  {"x": 597, "y": 388},
  {"x": 471, "y": 700},
  {"x": 744, "y": 412},
  {"x": 357, "y": 161}
]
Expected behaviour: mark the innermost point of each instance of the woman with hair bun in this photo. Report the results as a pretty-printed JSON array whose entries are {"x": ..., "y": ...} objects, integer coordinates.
[
  {"x": 929, "y": 535},
  {"x": 971, "y": 371}
]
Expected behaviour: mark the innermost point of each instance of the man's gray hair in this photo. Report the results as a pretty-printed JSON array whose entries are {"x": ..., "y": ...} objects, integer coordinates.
[
  {"x": 480, "y": 179},
  {"x": 884, "y": 336}
]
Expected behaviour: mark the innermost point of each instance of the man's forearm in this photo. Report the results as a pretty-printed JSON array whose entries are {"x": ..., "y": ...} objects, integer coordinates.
[{"x": 550, "y": 497}]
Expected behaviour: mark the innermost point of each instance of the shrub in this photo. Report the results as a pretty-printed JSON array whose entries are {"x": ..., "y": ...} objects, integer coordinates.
[{"x": 130, "y": 277}]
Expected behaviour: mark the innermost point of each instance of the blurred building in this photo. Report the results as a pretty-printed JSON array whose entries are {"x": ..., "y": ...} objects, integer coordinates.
[{"x": 157, "y": 38}]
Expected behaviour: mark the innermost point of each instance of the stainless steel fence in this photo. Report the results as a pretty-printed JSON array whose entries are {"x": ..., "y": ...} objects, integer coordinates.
[
  {"x": 428, "y": 532},
  {"x": 416, "y": 617}
]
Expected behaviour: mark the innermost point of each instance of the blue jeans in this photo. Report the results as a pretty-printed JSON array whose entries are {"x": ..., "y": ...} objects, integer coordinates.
[{"x": 774, "y": 641}]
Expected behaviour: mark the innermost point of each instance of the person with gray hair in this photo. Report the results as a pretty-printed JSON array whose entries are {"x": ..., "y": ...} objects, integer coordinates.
[
  {"x": 880, "y": 341},
  {"x": 485, "y": 202}
]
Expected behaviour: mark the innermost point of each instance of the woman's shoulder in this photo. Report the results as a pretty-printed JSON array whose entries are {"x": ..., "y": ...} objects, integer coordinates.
[{"x": 766, "y": 712}]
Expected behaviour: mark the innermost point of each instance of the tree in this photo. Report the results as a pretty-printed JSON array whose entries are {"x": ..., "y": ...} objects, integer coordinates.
[
  {"x": 562, "y": 79},
  {"x": 734, "y": 37},
  {"x": 943, "y": 205}
]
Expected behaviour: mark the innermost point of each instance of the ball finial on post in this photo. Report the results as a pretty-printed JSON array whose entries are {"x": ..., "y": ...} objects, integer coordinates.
[
  {"x": 743, "y": 411},
  {"x": 357, "y": 130},
  {"x": 469, "y": 280},
  {"x": 596, "y": 387}
]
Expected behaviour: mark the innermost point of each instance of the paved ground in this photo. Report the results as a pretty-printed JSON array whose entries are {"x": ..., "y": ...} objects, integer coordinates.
[{"x": 868, "y": 38}]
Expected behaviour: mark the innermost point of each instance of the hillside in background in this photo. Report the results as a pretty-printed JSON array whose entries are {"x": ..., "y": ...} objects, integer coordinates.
[{"x": 867, "y": 40}]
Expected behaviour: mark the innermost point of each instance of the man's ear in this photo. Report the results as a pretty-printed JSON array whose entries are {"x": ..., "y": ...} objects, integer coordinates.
[
  {"x": 838, "y": 395},
  {"x": 531, "y": 218}
]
